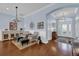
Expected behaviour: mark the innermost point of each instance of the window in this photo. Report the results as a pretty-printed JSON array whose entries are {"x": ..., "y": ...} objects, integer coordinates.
[
  {"x": 64, "y": 28},
  {"x": 69, "y": 27}
]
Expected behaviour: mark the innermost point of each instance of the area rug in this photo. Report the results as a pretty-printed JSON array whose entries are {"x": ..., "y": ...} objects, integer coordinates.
[{"x": 20, "y": 47}]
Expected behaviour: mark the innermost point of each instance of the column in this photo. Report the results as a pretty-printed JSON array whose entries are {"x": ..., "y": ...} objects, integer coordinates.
[
  {"x": 73, "y": 32},
  {"x": 57, "y": 25},
  {"x": 46, "y": 28},
  {"x": 73, "y": 27}
]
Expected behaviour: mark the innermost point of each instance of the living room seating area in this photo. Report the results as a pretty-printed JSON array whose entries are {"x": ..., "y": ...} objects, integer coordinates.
[{"x": 27, "y": 39}]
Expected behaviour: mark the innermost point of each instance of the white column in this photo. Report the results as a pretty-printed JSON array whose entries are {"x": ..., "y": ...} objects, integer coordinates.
[
  {"x": 57, "y": 21},
  {"x": 46, "y": 29},
  {"x": 57, "y": 25},
  {"x": 1, "y": 35},
  {"x": 73, "y": 27},
  {"x": 73, "y": 32}
]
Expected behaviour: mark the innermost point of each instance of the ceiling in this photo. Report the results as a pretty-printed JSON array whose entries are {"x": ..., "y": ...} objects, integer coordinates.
[
  {"x": 23, "y": 8},
  {"x": 65, "y": 13}
]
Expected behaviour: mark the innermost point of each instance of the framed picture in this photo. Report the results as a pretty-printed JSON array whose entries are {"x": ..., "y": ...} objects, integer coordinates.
[
  {"x": 40, "y": 25},
  {"x": 13, "y": 26}
]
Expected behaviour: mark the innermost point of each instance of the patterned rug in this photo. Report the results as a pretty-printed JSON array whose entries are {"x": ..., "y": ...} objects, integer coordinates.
[{"x": 20, "y": 47}]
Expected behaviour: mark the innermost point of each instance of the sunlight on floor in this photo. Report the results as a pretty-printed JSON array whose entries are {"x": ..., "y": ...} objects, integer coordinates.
[
  {"x": 54, "y": 49},
  {"x": 76, "y": 50},
  {"x": 64, "y": 46}
]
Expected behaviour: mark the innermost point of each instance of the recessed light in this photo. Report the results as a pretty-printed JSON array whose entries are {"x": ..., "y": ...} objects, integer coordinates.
[{"x": 7, "y": 8}]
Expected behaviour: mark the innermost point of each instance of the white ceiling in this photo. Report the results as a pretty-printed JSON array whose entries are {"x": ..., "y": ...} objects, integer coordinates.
[
  {"x": 66, "y": 12},
  {"x": 23, "y": 8}
]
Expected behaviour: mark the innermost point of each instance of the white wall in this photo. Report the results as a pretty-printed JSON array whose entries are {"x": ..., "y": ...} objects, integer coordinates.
[
  {"x": 35, "y": 19},
  {"x": 0, "y": 35},
  {"x": 4, "y": 19}
]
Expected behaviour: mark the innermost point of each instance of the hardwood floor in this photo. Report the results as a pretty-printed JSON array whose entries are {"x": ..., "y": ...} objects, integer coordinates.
[{"x": 51, "y": 49}]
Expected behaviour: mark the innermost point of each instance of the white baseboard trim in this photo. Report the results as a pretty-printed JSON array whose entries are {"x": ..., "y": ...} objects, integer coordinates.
[
  {"x": 1, "y": 40},
  {"x": 45, "y": 42}
]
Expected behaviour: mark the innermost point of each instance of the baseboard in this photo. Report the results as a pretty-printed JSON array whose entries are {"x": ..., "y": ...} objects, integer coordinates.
[
  {"x": 1, "y": 40},
  {"x": 45, "y": 42}
]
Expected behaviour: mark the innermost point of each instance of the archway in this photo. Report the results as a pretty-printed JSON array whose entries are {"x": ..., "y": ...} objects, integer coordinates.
[{"x": 65, "y": 22}]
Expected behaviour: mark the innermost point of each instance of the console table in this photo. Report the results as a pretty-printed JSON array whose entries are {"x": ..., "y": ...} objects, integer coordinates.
[{"x": 8, "y": 35}]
